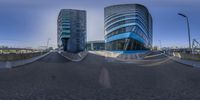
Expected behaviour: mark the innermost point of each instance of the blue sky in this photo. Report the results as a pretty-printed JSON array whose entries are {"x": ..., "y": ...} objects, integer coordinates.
[{"x": 26, "y": 23}]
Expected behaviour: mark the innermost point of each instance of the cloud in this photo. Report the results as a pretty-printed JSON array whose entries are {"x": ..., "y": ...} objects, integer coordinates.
[{"x": 36, "y": 19}]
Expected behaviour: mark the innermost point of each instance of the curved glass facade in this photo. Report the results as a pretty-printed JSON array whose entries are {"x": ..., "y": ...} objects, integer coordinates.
[{"x": 127, "y": 27}]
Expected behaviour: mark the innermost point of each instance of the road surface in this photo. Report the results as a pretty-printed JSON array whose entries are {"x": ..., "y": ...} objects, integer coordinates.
[{"x": 56, "y": 78}]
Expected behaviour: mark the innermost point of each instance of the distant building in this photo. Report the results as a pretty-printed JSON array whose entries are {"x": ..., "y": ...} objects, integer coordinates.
[
  {"x": 96, "y": 45},
  {"x": 71, "y": 30},
  {"x": 128, "y": 27}
]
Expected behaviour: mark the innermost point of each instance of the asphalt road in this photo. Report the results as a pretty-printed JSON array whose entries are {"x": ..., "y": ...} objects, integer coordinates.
[{"x": 56, "y": 78}]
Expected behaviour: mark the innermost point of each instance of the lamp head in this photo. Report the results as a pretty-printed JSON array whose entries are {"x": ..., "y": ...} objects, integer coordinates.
[{"x": 182, "y": 14}]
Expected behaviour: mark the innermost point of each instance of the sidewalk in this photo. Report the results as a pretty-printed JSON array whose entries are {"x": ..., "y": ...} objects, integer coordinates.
[
  {"x": 74, "y": 56},
  {"x": 186, "y": 62},
  {"x": 121, "y": 56}
]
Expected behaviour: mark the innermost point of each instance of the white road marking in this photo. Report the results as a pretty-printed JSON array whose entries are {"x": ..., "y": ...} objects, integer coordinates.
[{"x": 104, "y": 78}]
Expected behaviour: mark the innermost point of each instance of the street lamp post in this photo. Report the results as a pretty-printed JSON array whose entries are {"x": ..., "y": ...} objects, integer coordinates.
[
  {"x": 160, "y": 44},
  {"x": 188, "y": 27},
  {"x": 48, "y": 42}
]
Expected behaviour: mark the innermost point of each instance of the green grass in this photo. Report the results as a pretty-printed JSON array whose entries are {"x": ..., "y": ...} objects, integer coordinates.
[
  {"x": 13, "y": 56},
  {"x": 195, "y": 57}
]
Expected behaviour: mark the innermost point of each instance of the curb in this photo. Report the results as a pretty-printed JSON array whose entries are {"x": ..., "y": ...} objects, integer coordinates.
[
  {"x": 12, "y": 64},
  {"x": 75, "y": 60}
]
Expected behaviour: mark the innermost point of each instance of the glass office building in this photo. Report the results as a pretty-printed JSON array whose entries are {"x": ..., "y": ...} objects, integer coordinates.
[
  {"x": 128, "y": 27},
  {"x": 96, "y": 45},
  {"x": 71, "y": 30}
]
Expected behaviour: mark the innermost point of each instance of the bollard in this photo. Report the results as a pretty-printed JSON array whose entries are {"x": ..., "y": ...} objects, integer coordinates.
[{"x": 8, "y": 64}]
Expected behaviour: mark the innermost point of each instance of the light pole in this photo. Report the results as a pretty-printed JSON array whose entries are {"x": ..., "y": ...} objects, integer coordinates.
[
  {"x": 160, "y": 44},
  {"x": 48, "y": 42},
  {"x": 188, "y": 26}
]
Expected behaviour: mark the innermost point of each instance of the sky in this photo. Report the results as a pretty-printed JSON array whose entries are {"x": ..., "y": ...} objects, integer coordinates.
[{"x": 30, "y": 23}]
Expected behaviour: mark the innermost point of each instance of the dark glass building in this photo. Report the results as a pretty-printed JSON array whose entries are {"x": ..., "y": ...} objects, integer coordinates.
[
  {"x": 71, "y": 30},
  {"x": 96, "y": 45},
  {"x": 128, "y": 27}
]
